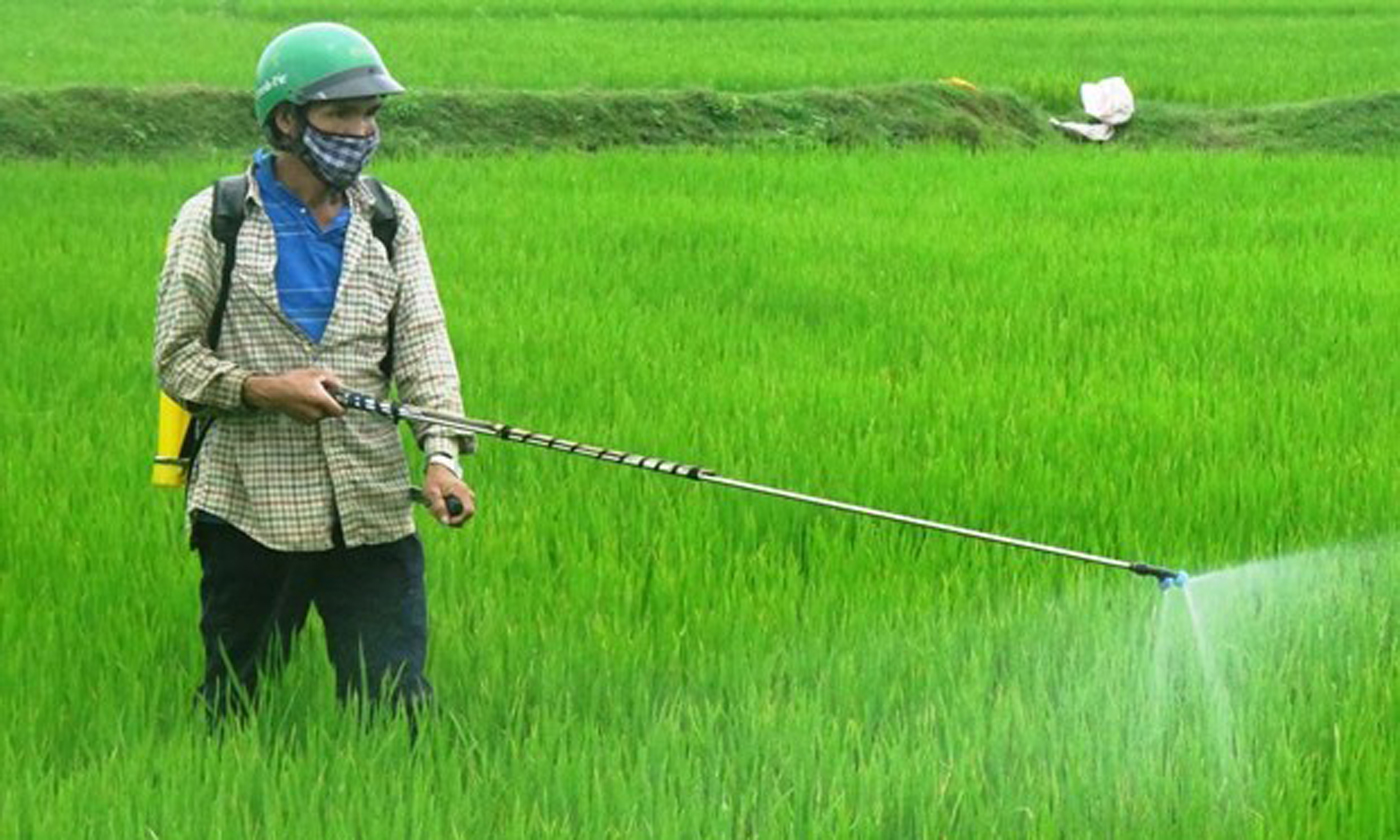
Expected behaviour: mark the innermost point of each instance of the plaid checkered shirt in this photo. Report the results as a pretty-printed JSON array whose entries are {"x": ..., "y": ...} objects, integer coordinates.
[{"x": 281, "y": 482}]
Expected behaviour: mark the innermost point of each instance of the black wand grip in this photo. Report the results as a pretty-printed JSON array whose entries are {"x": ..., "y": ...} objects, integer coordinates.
[{"x": 454, "y": 504}]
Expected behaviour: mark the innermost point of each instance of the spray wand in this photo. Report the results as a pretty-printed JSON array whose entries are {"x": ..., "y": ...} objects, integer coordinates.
[{"x": 1166, "y": 578}]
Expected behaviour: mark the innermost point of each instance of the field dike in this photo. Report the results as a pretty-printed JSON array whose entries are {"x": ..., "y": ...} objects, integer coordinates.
[{"x": 93, "y": 122}]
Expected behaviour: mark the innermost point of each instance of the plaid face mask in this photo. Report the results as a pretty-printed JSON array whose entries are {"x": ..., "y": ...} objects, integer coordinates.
[{"x": 337, "y": 158}]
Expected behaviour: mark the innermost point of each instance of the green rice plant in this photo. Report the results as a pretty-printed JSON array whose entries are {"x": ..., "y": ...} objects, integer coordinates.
[
  {"x": 1177, "y": 358},
  {"x": 1224, "y": 54}
]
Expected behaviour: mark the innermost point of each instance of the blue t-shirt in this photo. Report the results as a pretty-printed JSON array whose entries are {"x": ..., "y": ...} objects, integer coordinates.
[{"x": 308, "y": 258}]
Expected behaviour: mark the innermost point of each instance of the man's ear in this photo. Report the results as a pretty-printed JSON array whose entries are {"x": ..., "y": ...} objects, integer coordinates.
[{"x": 288, "y": 121}]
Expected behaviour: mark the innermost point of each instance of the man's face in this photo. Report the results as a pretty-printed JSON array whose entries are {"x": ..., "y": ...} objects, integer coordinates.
[{"x": 346, "y": 116}]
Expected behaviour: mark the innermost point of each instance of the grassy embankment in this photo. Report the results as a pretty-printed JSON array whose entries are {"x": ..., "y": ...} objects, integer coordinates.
[{"x": 92, "y": 123}]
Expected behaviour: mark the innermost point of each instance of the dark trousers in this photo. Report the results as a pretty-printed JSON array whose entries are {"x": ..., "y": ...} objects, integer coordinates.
[{"x": 254, "y": 601}]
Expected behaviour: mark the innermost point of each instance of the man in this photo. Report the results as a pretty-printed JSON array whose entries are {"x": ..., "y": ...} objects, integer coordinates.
[{"x": 291, "y": 501}]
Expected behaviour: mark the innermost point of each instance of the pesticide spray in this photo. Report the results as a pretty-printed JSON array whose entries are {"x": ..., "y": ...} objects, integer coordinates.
[{"x": 1166, "y": 578}]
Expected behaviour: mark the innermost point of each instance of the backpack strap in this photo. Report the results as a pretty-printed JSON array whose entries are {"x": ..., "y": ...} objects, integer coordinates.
[
  {"x": 384, "y": 221},
  {"x": 230, "y": 206}
]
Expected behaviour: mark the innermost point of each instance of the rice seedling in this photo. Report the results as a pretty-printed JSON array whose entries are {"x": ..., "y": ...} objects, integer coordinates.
[
  {"x": 1226, "y": 54},
  {"x": 1168, "y": 357}
]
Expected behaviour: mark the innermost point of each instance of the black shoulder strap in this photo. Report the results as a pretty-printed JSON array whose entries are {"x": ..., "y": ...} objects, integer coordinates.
[
  {"x": 230, "y": 204},
  {"x": 384, "y": 221}
]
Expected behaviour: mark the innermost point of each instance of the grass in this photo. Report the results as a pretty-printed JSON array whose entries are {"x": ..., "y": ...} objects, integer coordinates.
[
  {"x": 1163, "y": 356},
  {"x": 90, "y": 123},
  {"x": 1218, "y": 54},
  {"x": 491, "y": 75},
  {"x": 108, "y": 123}
]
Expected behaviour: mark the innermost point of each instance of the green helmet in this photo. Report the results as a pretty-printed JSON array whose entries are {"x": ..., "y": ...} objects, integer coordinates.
[{"x": 318, "y": 62}]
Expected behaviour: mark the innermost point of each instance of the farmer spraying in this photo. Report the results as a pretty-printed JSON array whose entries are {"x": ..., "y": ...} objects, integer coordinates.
[{"x": 279, "y": 288}]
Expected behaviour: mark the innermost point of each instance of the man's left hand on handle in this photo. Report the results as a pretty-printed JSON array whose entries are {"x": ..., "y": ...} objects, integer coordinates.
[{"x": 438, "y": 484}]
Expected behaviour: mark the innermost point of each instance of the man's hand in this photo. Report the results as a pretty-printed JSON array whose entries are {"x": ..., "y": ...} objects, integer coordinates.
[
  {"x": 303, "y": 395},
  {"x": 438, "y": 484}
]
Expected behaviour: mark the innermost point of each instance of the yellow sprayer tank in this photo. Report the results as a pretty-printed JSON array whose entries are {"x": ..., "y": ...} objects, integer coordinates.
[{"x": 169, "y": 469}]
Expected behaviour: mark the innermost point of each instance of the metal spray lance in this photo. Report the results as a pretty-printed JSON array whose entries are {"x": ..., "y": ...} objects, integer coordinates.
[{"x": 396, "y": 411}]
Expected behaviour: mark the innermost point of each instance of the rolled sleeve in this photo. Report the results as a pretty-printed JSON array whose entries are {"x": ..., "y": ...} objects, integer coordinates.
[{"x": 450, "y": 445}]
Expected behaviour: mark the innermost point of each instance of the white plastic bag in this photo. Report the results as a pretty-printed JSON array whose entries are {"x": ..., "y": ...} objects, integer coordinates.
[
  {"x": 1109, "y": 101},
  {"x": 1098, "y": 132}
]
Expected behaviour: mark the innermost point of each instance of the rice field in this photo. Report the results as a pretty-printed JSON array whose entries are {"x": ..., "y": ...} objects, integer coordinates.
[
  {"x": 1179, "y": 358},
  {"x": 1234, "y": 53},
  {"x": 1175, "y": 358}
]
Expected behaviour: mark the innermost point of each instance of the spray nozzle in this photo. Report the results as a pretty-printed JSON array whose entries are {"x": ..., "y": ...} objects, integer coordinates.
[
  {"x": 1178, "y": 580},
  {"x": 1166, "y": 578}
]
